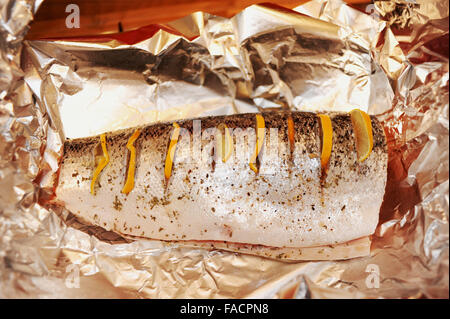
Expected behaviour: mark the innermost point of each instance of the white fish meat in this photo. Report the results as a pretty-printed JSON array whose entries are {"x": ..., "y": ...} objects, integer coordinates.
[{"x": 289, "y": 209}]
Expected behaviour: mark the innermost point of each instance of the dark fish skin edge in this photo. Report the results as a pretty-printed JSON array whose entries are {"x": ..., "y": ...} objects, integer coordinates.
[
  {"x": 304, "y": 123},
  {"x": 307, "y": 129},
  {"x": 307, "y": 132}
]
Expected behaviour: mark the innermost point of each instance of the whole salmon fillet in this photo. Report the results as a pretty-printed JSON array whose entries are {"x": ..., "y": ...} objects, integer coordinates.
[{"x": 289, "y": 207}]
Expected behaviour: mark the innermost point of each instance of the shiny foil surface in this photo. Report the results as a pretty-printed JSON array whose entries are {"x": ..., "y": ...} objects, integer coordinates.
[{"x": 391, "y": 61}]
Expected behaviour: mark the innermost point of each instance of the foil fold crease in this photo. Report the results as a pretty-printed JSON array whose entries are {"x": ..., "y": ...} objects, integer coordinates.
[{"x": 390, "y": 60}]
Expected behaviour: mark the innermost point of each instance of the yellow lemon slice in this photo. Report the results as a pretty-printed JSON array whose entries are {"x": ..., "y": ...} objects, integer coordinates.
[
  {"x": 260, "y": 135},
  {"x": 101, "y": 165},
  {"x": 171, "y": 151},
  {"x": 327, "y": 140},
  {"x": 129, "y": 183},
  {"x": 291, "y": 132},
  {"x": 362, "y": 127},
  {"x": 225, "y": 143}
]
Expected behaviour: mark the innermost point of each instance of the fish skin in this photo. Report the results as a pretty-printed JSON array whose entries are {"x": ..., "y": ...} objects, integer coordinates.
[
  {"x": 351, "y": 249},
  {"x": 287, "y": 204}
]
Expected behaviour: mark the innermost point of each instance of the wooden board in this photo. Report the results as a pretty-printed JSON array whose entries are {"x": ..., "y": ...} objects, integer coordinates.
[{"x": 100, "y": 17}]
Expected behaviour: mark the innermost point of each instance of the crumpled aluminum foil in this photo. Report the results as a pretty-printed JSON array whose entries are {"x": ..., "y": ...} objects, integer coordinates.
[{"x": 391, "y": 61}]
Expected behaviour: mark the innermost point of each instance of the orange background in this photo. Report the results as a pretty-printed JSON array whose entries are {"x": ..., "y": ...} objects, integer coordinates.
[{"x": 100, "y": 16}]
